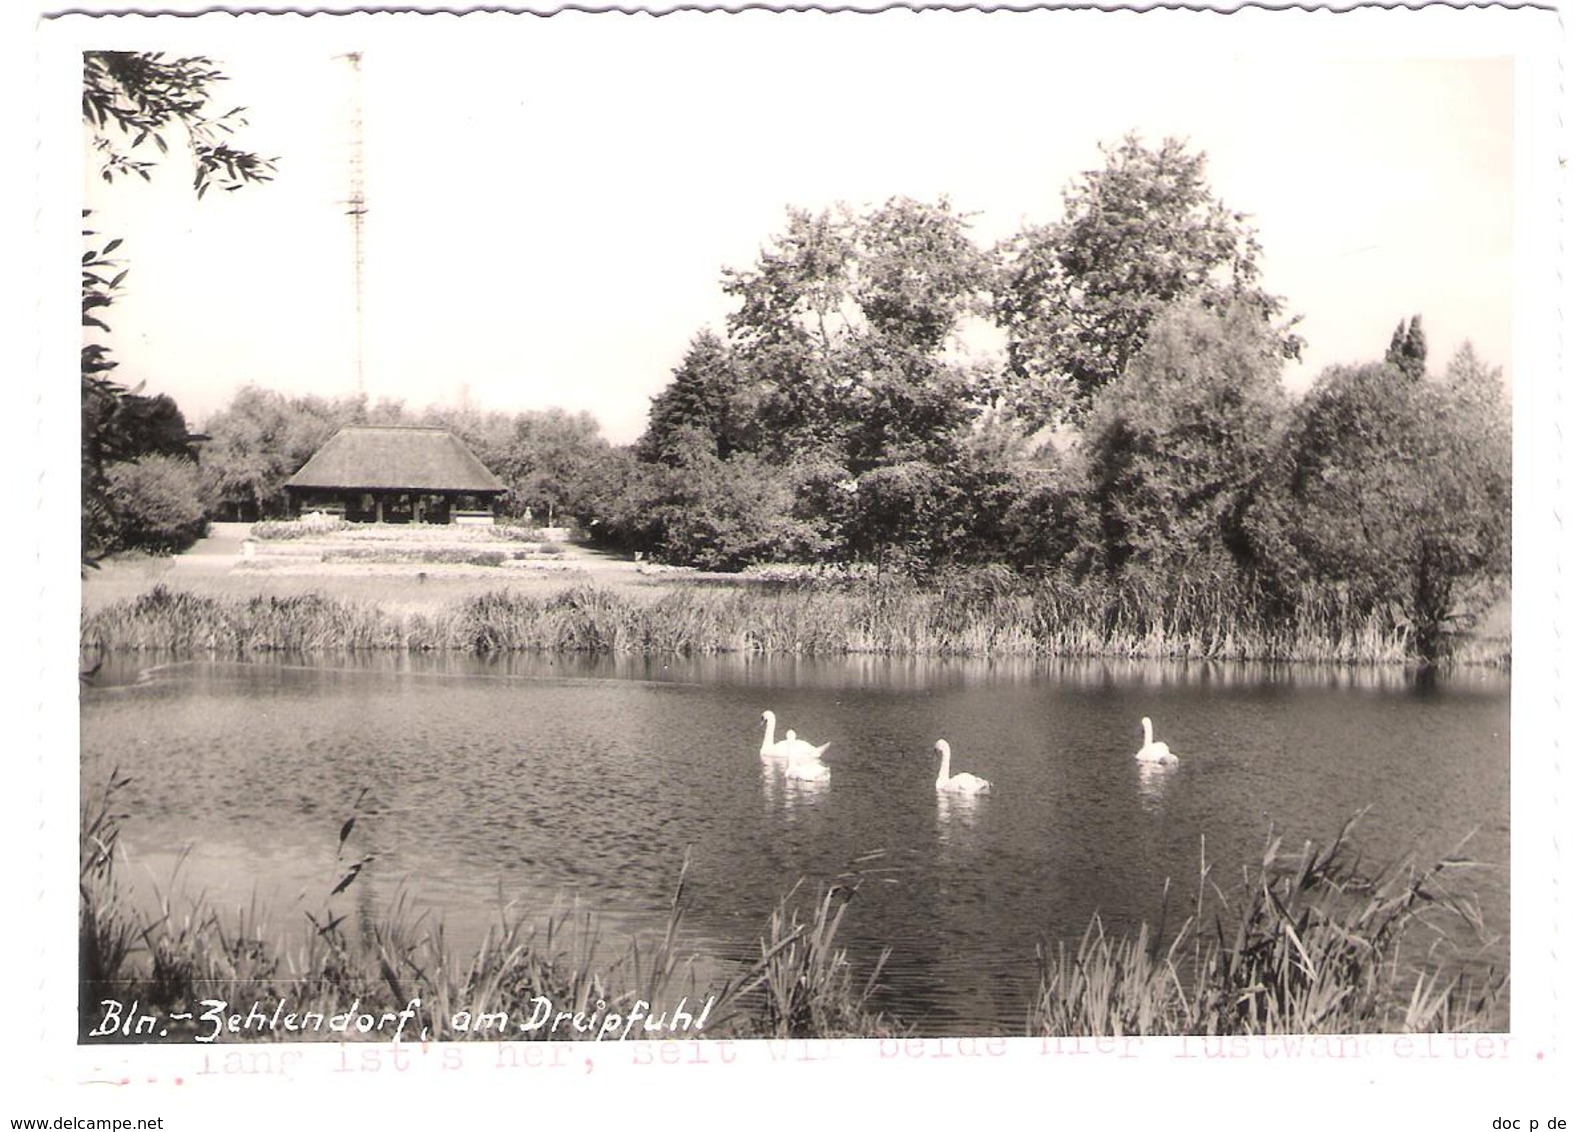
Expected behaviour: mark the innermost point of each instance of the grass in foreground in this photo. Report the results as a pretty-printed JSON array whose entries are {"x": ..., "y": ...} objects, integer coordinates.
[
  {"x": 180, "y": 958},
  {"x": 1314, "y": 944}
]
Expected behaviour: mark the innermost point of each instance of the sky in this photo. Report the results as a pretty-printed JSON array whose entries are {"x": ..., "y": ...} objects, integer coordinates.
[{"x": 550, "y": 203}]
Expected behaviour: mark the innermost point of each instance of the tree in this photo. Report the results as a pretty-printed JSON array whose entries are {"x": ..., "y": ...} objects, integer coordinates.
[
  {"x": 1173, "y": 450},
  {"x": 553, "y": 463},
  {"x": 1398, "y": 493},
  {"x": 726, "y": 514},
  {"x": 1077, "y": 297},
  {"x": 261, "y": 439},
  {"x": 129, "y": 98},
  {"x": 1408, "y": 351},
  {"x": 709, "y": 396},
  {"x": 157, "y": 502},
  {"x": 143, "y": 95},
  {"x": 844, "y": 326}
]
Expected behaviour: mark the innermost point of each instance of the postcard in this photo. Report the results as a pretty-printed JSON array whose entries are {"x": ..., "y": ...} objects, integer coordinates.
[{"x": 668, "y": 564}]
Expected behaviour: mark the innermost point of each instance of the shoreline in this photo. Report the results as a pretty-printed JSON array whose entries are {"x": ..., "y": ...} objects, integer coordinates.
[{"x": 246, "y": 614}]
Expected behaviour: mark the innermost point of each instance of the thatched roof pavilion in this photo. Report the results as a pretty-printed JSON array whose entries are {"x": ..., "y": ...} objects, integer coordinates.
[{"x": 395, "y": 474}]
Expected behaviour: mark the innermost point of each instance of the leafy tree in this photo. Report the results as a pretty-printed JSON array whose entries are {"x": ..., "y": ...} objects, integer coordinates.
[
  {"x": 1408, "y": 350},
  {"x": 709, "y": 395},
  {"x": 142, "y": 96},
  {"x": 1077, "y": 297},
  {"x": 129, "y": 98},
  {"x": 726, "y": 514},
  {"x": 1174, "y": 449},
  {"x": 553, "y": 462},
  {"x": 157, "y": 503},
  {"x": 838, "y": 383},
  {"x": 1397, "y": 494},
  {"x": 261, "y": 439},
  {"x": 919, "y": 516},
  {"x": 843, "y": 326},
  {"x": 898, "y": 515}
]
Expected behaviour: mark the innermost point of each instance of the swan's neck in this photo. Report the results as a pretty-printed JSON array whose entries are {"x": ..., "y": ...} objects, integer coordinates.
[
  {"x": 1148, "y": 734},
  {"x": 772, "y": 726},
  {"x": 947, "y": 761}
]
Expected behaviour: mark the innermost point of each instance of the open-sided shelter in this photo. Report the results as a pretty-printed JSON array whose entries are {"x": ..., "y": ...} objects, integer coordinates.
[{"x": 395, "y": 474}]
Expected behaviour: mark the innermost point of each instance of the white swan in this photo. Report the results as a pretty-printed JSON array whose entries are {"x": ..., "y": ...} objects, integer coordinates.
[
  {"x": 1153, "y": 752},
  {"x": 800, "y": 751},
  {"x": 790, "y": 747},
  {"x": 958, "y": 783},
  {"x": 770, "y": 748}
]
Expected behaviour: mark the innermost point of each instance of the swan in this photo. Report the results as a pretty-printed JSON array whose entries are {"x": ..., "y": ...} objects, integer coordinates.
[
  {"x": 800, "y": 751},
  {"x": 790, "y": 746},
  {"x": 770, "y": 749},
  {"x": 1153, "y": 752},
  {"x": 958, "y": 783}
]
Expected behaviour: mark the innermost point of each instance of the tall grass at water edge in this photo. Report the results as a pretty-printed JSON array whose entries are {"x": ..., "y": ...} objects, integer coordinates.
[
  {"x": 184, "y": 953},
  {"x": 980, "y": 615},
  {"x": 1313, "y": 943}
]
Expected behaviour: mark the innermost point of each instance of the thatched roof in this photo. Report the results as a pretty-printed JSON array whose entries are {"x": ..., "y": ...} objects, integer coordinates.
[{"x": 396, "y": 457}]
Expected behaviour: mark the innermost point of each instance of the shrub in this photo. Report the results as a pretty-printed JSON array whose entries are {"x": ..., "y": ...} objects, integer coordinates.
[{"x": 156, "y": 503}]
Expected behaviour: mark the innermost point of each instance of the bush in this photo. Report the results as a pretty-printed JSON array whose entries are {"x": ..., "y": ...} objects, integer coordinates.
[{"x": 156, "y": 504}]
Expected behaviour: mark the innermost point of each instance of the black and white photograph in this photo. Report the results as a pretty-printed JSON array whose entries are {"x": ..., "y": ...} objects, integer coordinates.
[{"x": 905, "y": 553}]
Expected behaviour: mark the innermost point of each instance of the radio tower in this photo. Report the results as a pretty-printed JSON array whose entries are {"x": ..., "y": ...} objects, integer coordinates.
[{"x": 356, "y": 206}]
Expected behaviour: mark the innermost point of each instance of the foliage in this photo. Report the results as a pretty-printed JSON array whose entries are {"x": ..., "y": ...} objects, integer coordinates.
[
  {"x": 118, "y": 425},
  {"x": 262, "y": 438},
  {"x": 553, "y": 465},
  {"x": 157, "y": 503},
  {"x": 129, "y": 98},
  {"x": 985, "y": 612},
  {"x": 1408, "y": 351},
  {"x": 708, "y": 402},
  {"x": 843, "y": 325},
  {"x": 143, "y": 95},
  {"x": 808, "y": 987},
  {"x": 827, "y": 422},
  {"x": 1314, "y": 944},
  {"x": 1396, "y": 493},
  {"x": 1173, "y": 448},
  {"x": 725, "y": 514},
  {"x": 1077, "y": 297},
  {"x": 308, "y": 526}
]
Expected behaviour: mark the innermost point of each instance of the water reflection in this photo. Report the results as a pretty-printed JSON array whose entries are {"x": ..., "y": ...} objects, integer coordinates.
[
  {"x": 843, "y": 673},
  {"x": 786, "y": 784},
  {"x": 957, "y": 812},
  {"x": 1153, "y": 781},
  {"x": 519, "y": 779}
]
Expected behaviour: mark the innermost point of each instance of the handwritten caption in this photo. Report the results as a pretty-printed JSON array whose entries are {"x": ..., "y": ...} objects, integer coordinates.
[{"x": 218, "y": 1018}]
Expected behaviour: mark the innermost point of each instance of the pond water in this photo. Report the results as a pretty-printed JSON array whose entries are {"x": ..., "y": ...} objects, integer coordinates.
[{"x": 541, "y": 779}]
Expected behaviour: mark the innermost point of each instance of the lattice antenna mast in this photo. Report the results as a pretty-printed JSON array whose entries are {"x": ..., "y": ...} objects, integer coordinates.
[{"x": 356, "y": 208}]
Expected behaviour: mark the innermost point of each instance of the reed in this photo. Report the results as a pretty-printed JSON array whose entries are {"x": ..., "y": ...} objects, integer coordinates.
[
  {"x": 182, "y": 954},
  {"x": 1314, "y": 943},
  {"x": 985, "y": 614},
  {"x": 808, "y": 987}
]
